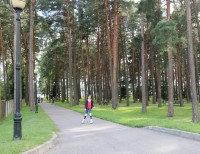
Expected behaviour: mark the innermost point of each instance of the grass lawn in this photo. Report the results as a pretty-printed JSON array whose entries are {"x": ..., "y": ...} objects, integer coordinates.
[
  {"x": 132, "y": 116},
  {"x": 36, "y": 129}
]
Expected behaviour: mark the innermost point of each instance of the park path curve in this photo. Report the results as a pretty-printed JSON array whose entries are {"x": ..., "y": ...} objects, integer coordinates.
[{"x": 104, "y": 137}]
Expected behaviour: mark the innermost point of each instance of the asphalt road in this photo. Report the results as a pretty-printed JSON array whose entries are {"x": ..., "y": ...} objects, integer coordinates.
[{"x": 103, "y": 137}]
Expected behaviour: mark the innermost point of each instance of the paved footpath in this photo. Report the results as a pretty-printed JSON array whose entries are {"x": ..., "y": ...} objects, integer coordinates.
[{"x": 103, "y": 137}]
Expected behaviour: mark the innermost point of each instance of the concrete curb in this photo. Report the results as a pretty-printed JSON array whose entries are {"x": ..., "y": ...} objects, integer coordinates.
[
  {"x": 193, "y": 136},
  {"x": 44, "y": 147}
]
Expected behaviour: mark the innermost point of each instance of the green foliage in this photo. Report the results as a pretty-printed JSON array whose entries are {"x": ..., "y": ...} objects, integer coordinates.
[
  {"x": 36, "y": 129},
  {"x": 51, "y": 5},
  {"x": 147, "y": 7},
  {"x": 165, "y": 34},
  {"x": 138, "y": 39},
  {"x": 153, "y": 15}
]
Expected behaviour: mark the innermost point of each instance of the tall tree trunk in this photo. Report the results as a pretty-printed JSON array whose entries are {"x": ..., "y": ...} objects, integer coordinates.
[
  {"x": 108, "y": 32},
  {"x": 143, "y": 67},
  {"x": 75, "y": 59},
  {"x": 81, "y": 50},
  {"x": 179, "y": 77},
  {"x": 115, "y": 58},
  {"x": 25, "y": 41},
  {"x": 170, "y": 72},
  {"x": 197, "y": 74},
  {"x": 170, "y": 83},
  {"x": 158, "y": 65},
  {"x": 103, "y": 70},
  {"x": 76, "y": 98},
  {"x": 67, "y": 87},
  {"x": 153, "y": 76},
  {"x": 187, "y": 86},
  {"x": 70, "y": 58},
  {"x": 133, "y": 74},
  {"x": 88, "y": 65},
  {"x": 31, "y": 38},
  {"x": 146, "y": 66},
  {"x": 195, "y": 113},
  {"x": 138, "y": 93},
  {"x": 158, "y": 77},
  {"x": 63, "y": 87},
  {"x": 99, "y": 74}
]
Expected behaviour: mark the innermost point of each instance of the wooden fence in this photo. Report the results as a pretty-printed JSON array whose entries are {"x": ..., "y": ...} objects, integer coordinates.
[{"x": 6, "y": 108}]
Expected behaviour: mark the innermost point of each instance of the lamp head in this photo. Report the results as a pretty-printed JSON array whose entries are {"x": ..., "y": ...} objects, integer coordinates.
[{"x": 18, "y": 4}]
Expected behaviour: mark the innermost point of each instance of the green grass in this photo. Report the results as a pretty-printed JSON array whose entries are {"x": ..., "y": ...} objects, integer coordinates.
[
  {"x": 132, "y": 116},
  {"x": 36, "y": 129}
]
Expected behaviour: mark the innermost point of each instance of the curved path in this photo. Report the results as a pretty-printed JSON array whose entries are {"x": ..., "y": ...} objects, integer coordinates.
[{"x": 103, "y": 137}]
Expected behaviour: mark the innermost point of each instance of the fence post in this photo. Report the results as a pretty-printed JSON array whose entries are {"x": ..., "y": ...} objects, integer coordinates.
[{"x": 6, "y": 108}]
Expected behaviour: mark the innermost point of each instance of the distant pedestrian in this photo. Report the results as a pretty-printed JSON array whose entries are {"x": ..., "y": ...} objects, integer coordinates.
[
  {"x": 88, "y": 109},
  {"x": 53, "y": 100}
]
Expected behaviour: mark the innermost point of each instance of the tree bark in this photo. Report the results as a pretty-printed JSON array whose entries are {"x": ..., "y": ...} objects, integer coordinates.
[
  {"x": 70, "y": 58},
  {"x": 195, "y": 113},
  {"x": 115, "y": 58},
  {"x": 99, "y": 74},
  {"x": 82, "y": 52},
  {"x": 170, "y": 72},
  {"x": 158, "y": 77},
  {"x": 153, "y": 76},
  {"x": 108, "y": 33},
  {"x": 179, "y": 77},
  {"x": 88, "y": 66},
  {"x": 31, "y": 50},
  {"x": 144, "y": 110}
]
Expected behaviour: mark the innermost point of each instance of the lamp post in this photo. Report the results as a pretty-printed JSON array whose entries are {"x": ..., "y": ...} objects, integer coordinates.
[
  {"x": 18, "y": 6},
  {"x": 36, "y": 101}
]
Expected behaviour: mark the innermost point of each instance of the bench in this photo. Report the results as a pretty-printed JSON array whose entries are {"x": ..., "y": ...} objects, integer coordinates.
[{"x": 176, "y": 102}]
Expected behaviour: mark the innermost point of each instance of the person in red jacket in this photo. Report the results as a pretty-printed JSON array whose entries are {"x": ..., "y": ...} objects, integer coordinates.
[{"x": 88, "y": 109}]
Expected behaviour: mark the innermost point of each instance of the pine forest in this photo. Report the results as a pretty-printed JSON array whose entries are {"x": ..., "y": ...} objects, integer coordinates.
[{"x": 144, "y": 51}]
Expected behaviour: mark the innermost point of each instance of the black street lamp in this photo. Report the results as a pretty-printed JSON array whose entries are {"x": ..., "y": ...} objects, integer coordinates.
[
  {"x": 36, "y": 100},
  {"x": 18, "y": 6}
]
